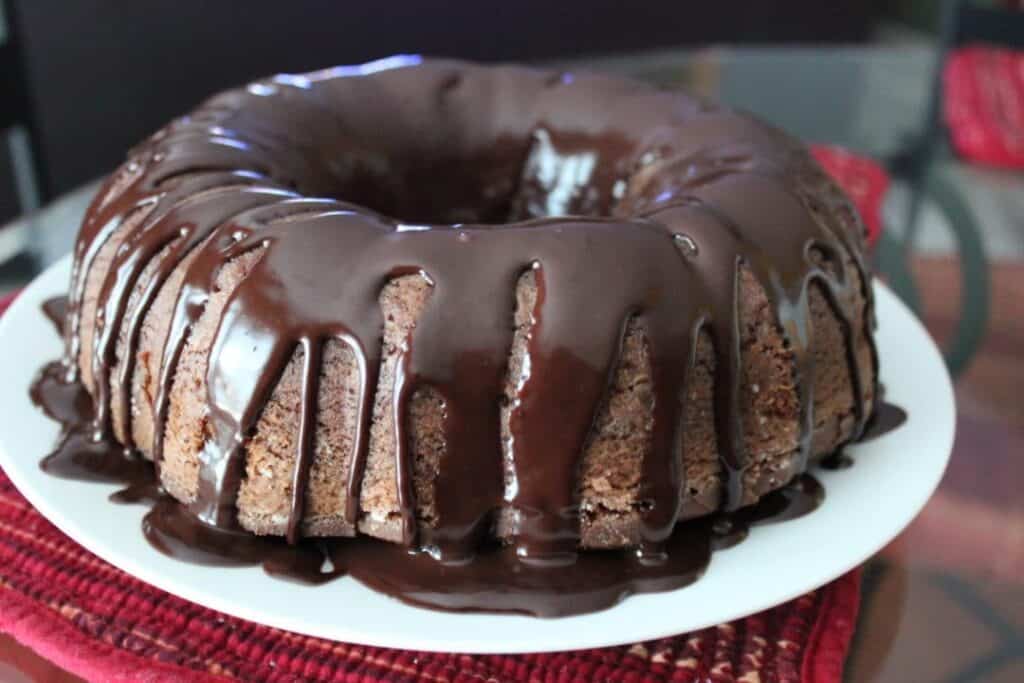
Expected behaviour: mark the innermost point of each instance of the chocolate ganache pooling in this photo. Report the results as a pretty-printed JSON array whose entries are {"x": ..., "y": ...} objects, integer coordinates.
[
  {"x": 646, "y": 201},
  {"x": 494, "y": 581}
]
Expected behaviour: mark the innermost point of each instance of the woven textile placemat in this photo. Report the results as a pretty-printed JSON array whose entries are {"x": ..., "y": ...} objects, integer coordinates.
[
  {"x": 103, "y": 624},
  {"x": 100, "y": 623}
]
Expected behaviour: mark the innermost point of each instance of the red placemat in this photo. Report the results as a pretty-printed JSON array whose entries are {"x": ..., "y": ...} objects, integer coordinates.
[
  {"x": 983, "y": 103},
  {"x": 101, "y": 623}
]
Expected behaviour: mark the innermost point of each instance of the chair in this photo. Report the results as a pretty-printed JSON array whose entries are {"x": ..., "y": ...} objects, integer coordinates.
[{"x": 962, "y": 22}]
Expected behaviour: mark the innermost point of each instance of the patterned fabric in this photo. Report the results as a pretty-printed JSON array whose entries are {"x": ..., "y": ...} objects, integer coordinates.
[
  {"x": 863, "y": 179},
  {"x": 101, "y": 623},
  {"x": 983, "y": 102}
]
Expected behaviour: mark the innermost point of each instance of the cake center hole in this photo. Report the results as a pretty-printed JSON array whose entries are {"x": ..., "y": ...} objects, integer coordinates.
[{"x": 549, "y": 174}]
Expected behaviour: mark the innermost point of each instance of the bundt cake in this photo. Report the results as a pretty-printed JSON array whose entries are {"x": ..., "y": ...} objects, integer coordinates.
[{"x": 444, "y": 304}]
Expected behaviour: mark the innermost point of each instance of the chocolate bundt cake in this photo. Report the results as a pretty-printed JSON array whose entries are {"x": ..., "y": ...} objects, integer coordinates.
[{"x": 441, "y": 304}]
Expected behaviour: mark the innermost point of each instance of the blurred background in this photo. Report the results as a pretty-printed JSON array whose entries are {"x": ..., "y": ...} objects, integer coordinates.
[{"x": 920, "y": 103}]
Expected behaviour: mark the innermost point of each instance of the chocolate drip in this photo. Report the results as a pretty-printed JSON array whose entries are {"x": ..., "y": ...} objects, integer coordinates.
[
  {"x": 494, "y": 581},
  {"x": 886, "y": 418},
  {"x": 676, "y": 199},
  {"x": 838, "y": 461},
  {"x": 182, "y": 228},
  {"x": 79, "y": 455},
  {"x": 361, "y": 442},
  {"x": 56, "y": 311},
  {"x": 311, "y": 355}
]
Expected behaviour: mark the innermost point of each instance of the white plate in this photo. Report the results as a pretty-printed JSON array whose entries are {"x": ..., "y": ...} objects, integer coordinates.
[{"x": 865, "y": 507}]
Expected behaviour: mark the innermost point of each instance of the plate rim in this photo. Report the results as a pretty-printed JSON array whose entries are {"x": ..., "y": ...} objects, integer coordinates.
[{"x": 53, "y": 280}]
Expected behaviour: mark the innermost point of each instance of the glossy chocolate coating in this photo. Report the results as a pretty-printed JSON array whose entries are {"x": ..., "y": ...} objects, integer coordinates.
[
  {"x": 494, "y": 580},
  {"x": 642, "y": 200}
]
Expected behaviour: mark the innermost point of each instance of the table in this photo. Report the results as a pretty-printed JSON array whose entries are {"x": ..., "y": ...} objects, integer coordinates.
[{"x": 945, "y": 601}]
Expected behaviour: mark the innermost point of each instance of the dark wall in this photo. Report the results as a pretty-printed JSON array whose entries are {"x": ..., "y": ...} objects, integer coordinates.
[
  {"x": 103, "y": 74},
  {"x": 8, "y": 199}
]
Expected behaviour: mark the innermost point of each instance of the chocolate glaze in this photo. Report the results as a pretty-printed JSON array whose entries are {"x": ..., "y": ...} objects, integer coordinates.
[
  {"x": 886, "y": 418},
  {"x": 643, "y": 200},
  {"x": 494, "y": 580},
  {"x": 838, "y": 461},
  {"x": 79, "y": 455},
  {"x": 56, "y": 311}
]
